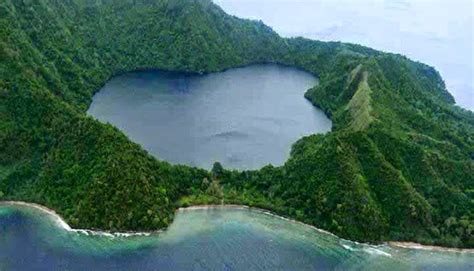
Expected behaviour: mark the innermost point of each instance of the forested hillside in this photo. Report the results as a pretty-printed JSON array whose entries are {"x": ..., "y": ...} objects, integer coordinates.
[{"x": 398, "y": 164}]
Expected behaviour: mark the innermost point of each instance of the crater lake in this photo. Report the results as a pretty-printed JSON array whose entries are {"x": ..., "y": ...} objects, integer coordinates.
[{"x": 244, "y": 118}]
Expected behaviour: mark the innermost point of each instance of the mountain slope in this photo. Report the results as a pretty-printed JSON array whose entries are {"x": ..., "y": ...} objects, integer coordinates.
[{"x": 397, "y": 165}]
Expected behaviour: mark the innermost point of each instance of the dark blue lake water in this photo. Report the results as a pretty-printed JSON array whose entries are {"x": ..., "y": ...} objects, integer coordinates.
[{"x": 244, "y": 118}]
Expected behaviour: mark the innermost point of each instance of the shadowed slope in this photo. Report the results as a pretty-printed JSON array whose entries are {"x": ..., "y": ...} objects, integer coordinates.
[{"x": 397, "y": 165}]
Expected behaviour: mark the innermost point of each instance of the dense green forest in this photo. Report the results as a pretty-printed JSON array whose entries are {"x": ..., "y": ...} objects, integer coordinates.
[{"x": 398, "y": 164}]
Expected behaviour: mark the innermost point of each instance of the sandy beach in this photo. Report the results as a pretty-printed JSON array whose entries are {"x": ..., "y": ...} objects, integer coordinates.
[
  {"x": 50, "y": 212},
  {"x": 64, "y": 225},
  {"x": 413, "y": 245}
]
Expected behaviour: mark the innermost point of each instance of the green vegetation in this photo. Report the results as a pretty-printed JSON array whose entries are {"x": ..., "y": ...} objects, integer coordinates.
[
  {"x": 398, "y": 164},
  {"x": 359, "y": 106}
]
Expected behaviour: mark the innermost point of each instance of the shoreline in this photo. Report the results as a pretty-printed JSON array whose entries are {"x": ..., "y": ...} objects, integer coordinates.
[
  {"x": 62, "y": 223},
  {"x": 413, "y": 245},
  {"x": 392, "y": 244},
  {"x": 255, "y": 209}
]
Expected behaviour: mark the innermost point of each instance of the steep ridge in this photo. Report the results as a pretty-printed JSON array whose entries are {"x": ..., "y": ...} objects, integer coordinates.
[
  {"x": 397, "y": 165},
  {"x": 359, "y": 105}
]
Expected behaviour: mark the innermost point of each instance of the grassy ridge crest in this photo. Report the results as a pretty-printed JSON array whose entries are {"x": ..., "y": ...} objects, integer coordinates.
[{"x": 398, "y": 164}]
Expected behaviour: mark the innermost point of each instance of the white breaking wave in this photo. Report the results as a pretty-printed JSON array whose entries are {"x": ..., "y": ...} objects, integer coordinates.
[
  {"x": 373, "y": 250},
  {"x": 62, "y": 224}
]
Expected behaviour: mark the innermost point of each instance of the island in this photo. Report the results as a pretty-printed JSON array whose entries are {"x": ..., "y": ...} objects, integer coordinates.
[{"x": 396, "y": 166}]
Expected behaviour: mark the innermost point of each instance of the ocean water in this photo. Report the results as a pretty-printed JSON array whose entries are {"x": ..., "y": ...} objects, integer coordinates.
[
  {"x": 439, "y": 33},
  {"x": 203, "y": 239},
  {"x": 244, "y": 118}
]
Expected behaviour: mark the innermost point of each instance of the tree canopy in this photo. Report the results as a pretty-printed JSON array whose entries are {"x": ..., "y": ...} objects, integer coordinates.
[{"x": 398, "y": 164}]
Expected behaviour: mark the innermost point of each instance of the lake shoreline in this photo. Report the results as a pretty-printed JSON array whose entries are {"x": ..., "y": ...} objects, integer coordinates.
[
  {"x": 229, "y": 113},
  {"x": 62, "y": 223}
]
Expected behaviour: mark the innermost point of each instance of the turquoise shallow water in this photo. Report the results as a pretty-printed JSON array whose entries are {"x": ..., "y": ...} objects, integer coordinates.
[{"x": 212, "y": 239}]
